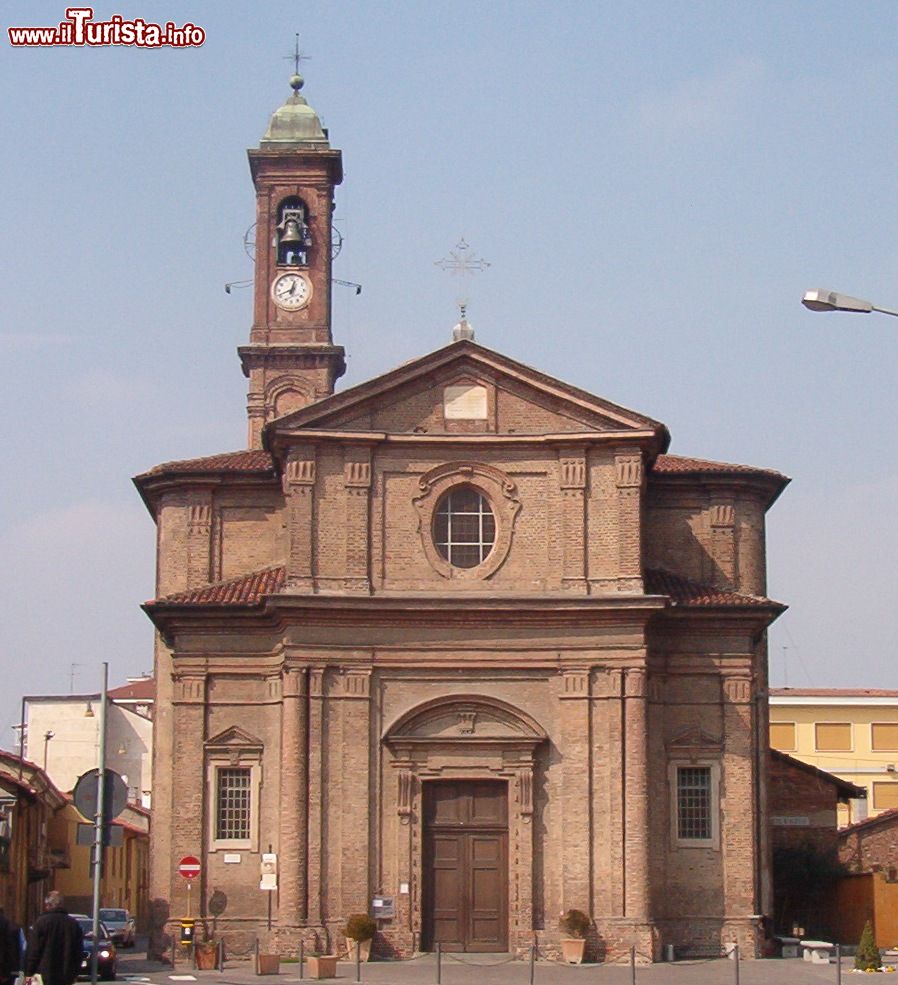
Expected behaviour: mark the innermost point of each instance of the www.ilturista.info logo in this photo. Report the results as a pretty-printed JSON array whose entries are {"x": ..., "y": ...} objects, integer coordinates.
[{"x": 79, "y": 28}]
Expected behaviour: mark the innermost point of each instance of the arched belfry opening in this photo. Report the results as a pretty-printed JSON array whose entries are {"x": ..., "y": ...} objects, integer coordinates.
[{"x": 294, "y": 238}]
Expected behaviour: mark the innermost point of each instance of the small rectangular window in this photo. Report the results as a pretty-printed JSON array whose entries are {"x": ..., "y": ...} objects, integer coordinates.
[
  {"x": 884, "y": 736},
  {"x": 782, "y": 735},
  {"x": 885, "y": 796},
  {"x": 232, "y": 810},
  {"x": 833, "y": 736},
  {"x": 694, "y": 821}
]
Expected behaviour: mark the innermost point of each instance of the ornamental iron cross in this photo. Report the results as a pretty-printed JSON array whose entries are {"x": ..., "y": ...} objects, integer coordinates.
[
  {"x": 462, "y": 262},
  {"x": 296, "y": 57}
]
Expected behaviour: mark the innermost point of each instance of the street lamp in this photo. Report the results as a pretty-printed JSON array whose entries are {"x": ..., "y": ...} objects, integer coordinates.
[{"x": 823, "y": 300}]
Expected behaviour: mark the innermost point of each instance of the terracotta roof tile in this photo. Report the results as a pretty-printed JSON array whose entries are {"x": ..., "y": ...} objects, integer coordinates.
[
  {"x": 245, "y": 590},
  {"x": 832, "y": 692},
  {"x": 234, "y": 461},
  {"x": 142, "y": 690},
  {"x": 845, "y": 787},
  {"x": 685, "y": 592},
  {"x": 678, "y": 465},
  {"x": 884, "y": 817}
]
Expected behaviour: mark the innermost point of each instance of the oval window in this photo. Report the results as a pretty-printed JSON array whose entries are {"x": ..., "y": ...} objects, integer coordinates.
[{"x": 464, "y": 528}]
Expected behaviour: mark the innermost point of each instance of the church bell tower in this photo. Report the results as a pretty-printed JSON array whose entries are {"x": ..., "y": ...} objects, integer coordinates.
[{"x": 291, "y": 360}]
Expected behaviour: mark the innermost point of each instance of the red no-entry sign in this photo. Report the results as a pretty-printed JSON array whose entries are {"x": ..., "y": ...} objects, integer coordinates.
[{"x": 189, "y": 867}]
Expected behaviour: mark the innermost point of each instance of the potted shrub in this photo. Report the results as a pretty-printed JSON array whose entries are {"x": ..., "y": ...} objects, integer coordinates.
[
  {"x": 205, "y": 954},
  {"x": 360, "y": 929},
  {"x": 574, "y": 926},
  {"x": 322, "y": 965}
]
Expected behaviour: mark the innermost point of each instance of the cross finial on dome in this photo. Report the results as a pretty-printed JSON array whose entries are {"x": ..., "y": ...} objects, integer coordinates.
[
  {"x": 296, "y": 79},
  {"x": 463, "y": 263}
]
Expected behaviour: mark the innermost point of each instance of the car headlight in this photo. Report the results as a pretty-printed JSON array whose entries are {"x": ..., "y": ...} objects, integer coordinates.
[{"x": 105, "y": 954}]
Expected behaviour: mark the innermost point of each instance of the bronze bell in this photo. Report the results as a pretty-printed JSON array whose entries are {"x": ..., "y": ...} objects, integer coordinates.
[{"x": 291, "y": 233}]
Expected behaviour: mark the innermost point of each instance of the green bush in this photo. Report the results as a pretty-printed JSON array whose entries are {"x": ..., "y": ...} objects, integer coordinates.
[
  {"x": 360, "y": 927},
  {"x": 868, "y": 956},
  {"x": 575, "y": 923}
]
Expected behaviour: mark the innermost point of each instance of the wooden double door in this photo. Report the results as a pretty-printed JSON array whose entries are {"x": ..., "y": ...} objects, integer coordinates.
[{"x": 466, "y": 865}]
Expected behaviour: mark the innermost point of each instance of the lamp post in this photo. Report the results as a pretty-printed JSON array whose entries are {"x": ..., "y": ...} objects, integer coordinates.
[
  {"x": 823, "y": 300},
  {"x": 99, "y": 825},
  {"x": 49, "y": 734}
]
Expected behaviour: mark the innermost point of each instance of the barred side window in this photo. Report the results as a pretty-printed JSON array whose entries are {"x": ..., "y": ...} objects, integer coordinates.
[
  {"x": 694, "y": 819},
  {"x": 232, "y": 803}
]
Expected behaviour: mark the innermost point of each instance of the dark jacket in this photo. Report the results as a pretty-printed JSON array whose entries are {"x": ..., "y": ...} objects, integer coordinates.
[
  {"x": 55, "y": 948},
  {"x": 10, "y": 954}
]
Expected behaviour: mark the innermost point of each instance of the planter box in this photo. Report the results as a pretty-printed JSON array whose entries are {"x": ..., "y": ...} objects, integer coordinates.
[
  {"x": 323, "y": 966},
  {"x": 573, "y": 949},
  {"x": 269, "y": 964}
]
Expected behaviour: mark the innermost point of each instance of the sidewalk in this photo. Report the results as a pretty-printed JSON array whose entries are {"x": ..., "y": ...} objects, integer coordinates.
[{"x": 483, "y": 969}]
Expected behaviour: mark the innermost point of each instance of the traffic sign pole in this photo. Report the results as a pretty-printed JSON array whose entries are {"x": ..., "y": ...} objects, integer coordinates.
[{"x": 98, "y": 826}]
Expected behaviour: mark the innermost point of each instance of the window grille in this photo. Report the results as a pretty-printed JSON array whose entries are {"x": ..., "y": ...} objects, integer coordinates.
[
  {"x": 232, "y": 817},
  {"x": 694, "y": 803},
  {"x": 464, "y": 527}
]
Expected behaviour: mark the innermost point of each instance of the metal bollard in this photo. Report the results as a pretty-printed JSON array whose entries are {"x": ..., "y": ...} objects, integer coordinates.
[
  {"x": 173, "y": 951},
  {"x": 633, "y": 966},
  {"x": 358, "y": 961},
  {"x": 302, "y": 956},
  {"x": 219, "y": 955},
  {"x": 838, "y": 964},
  {"x": 736, "y": 962},
  {"x": 532, "y": 962},
  {"x": 439, "y": 963},
  {"x": 256, "y": 952}
]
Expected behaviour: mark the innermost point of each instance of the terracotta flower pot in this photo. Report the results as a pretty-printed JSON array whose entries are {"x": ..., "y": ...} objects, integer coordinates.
[
  {"x": 323, "y": 966},
  {"x": 573, "y": 949},
  {"x": 204, "y": 955}
]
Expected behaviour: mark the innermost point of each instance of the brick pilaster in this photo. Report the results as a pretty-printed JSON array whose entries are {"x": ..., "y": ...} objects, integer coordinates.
[
  {"x": 293, "y": 817},
  {"x": 357, "y": 482},
  {"x": 572, "y": 481},
  {"x": 316, "y": 803},
  {"x": 189, "y": 817},
  {"x": 738, "y": 801},
  {"x": 723, "y": 543},
  {"x": 576, "y": 799},
  {"x": 355, "y": 857},
  {"x": 629, "y": 478},
  {"x": 199, "y": 537},
  {"x": 299, "y": 488},
  {"x": 636, "y": 843}
]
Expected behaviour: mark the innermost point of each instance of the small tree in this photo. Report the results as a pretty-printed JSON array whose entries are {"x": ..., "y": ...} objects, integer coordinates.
[
  {"x": 575, "y": 923},
  {"x": 868, "y": 957}
]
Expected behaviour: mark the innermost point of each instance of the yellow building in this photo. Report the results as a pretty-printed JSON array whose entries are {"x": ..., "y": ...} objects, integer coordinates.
[{"x": 851, "y": 732}]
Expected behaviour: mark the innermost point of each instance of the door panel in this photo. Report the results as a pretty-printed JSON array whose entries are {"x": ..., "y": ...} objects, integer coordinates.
[{"x": 465, "y": 865}]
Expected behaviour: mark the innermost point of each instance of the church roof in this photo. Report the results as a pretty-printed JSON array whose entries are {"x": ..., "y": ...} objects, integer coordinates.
[
  {"x": 678, "y": 465},
  {"x": 230, "y": 461},
  {"x": 251, "y": 589}
]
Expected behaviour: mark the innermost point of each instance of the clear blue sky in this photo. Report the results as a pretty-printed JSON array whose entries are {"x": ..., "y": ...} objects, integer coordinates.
[{"x": 655, "y": 184}]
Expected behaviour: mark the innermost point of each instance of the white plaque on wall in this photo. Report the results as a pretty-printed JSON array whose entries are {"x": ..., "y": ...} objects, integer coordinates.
[{"x": 465, "y": 402}]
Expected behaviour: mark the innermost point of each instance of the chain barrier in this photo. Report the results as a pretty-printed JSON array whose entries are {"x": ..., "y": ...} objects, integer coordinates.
[{"x": 483, "y": 964}]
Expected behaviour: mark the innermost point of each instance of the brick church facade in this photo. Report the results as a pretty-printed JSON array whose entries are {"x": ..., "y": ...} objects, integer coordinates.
[{"x": 463, "y": 637}]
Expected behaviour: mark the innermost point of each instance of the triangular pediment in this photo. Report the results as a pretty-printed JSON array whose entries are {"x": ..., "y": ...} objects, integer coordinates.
[
  {"x": 693, "y": 738},
  {"x": 234, "y": 738},
  {"x": 467, "y": 388}
]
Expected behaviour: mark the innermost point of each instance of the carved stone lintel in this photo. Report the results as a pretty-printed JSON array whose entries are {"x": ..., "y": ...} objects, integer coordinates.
[
  {"x": 628, "y": 471},
  {"x": 525, "y": 792},
  {"x": 356, "y": 684},
  {"x": 190, "y": 689},
  {"x": 572, "y": 470},
  {"x": 737, "y": 690},
  {"x": 406, "y": 783},
  {"x": 466, "y": 722},
  {"x": 199, "y": 518},
  {"x": 575, "y": 683},
  {"x": 723, "y": 515},
  {"x": 634, "y": 682},
  {"x": 357, "y": 474},
  {"x": 299, "y": 472}
]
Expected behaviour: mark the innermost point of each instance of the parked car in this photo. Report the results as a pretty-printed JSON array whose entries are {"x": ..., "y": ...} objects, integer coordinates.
[
  {"x": 107, "y": 960},
  {"x": 120, "y": 925}
]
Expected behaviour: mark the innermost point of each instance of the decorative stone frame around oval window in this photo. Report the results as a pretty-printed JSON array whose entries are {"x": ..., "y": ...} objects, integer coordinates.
[{"x": 501, "y": 494}]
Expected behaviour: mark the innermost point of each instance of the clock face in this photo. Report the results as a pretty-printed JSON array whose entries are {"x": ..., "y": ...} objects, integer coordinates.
[{"x": 291, "y": 291}]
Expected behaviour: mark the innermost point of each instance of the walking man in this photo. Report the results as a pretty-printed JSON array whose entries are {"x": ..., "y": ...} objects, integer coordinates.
[
  {"x": 55, "y": 945},
  {"x": 10, "y": 952}
]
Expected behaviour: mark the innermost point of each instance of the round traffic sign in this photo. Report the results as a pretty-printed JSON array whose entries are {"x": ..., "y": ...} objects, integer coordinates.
[{"x": 189, "y": 867}]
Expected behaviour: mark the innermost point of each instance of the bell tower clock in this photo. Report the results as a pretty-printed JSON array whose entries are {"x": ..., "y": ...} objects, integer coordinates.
[{"x": 291, "y": 360}]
